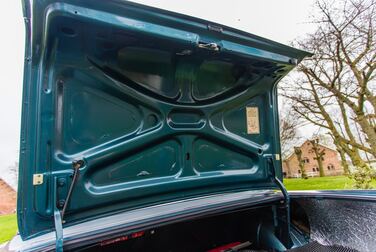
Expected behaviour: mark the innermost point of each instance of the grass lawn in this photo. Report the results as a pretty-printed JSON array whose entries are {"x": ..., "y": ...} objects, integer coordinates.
[
  {"x": 324, "y": 183},
  {"x": 8, "y": 227}
]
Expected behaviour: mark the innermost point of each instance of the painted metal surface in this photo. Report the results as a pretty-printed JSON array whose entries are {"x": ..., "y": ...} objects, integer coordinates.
[{"x": 152, "y": 103}]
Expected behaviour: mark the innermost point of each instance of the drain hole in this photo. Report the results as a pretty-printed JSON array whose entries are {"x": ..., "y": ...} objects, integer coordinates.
[
  {"x": 187, "y": 156},
  {"x": 259, "y": 151}
]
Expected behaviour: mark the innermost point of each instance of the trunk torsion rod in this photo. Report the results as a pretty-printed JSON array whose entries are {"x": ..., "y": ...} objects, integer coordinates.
[
  {"x": 286, "y": 197},
  {"x": 76, "y": 168}
]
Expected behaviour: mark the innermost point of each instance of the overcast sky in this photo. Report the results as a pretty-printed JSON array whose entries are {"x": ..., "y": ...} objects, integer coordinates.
[{"x": 282, "y": 21}]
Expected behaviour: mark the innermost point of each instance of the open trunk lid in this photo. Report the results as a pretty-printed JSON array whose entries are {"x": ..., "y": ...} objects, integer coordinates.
[{"x": 126, "y": 105}]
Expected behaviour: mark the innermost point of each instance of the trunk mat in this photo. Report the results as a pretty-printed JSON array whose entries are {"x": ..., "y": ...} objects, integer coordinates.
[
  {"x": 317, "y": 247},
  {"x": 312, "y": 247}
]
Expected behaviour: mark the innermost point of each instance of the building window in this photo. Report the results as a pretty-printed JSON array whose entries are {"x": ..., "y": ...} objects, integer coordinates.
[
  {"x": 306, "y": 160},
  {"x": 331, "y": 167},
  {"x": 299, "y": 171},
  {"x": 315, "y": 169}
]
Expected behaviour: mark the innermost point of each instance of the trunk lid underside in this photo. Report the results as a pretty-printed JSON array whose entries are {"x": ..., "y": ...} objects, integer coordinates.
[{"x": 154, "y": 106}]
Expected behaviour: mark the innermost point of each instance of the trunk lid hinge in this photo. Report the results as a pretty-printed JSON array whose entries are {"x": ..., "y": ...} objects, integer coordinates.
[
  {"x": 76, "y": 165},
  {"x": 286, "y": 196},
  {"x": 59, "y": 215},
  {"x": 209, "y": 46},
  {"x": 58, "y": 222}
]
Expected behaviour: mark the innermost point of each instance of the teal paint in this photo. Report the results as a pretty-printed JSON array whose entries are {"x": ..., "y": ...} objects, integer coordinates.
[{"x": 154, "y": 116}]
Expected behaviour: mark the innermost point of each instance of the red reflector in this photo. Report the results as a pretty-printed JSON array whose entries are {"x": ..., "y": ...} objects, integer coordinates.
[
  {"x": 138, "y": 234},
  {"x": 119, "y": 239},
  {"x": 123, "y": 238}
]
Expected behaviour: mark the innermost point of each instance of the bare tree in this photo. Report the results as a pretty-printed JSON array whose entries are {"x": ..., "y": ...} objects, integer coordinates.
[
  {"x": 335, "y": 88},
  {"x": 13, "y": 169},
  {"x": 327, "y": 139},
  {"x": 343, "y": 155},
  {"x": 298, "y": 153},
  {"x": 289, "y": 135},
  {"x": 324, "y": 139},
  {"x": 319, "y": 155}
]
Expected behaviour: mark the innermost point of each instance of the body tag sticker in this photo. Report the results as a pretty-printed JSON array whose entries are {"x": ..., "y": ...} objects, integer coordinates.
[{"x": 253, "y": 124}]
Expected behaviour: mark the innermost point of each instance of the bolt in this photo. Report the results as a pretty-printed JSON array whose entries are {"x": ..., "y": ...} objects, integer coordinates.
[
  {"x": 77, "y": 164},
  {"x": 60, "y": 203}
]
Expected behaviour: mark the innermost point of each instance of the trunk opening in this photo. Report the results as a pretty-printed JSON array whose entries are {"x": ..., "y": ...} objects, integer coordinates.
[{"x": 257, "y": 228}]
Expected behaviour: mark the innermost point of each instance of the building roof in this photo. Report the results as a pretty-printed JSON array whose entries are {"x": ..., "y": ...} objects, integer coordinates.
[{"x": 4, "y": 184}]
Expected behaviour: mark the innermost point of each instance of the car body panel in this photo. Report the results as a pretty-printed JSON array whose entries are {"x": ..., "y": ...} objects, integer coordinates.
[{"x": 155, "y": 107}]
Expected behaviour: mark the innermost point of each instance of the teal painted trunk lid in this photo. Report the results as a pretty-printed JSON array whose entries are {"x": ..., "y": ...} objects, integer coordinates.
[{"x": 148, "y": 106}]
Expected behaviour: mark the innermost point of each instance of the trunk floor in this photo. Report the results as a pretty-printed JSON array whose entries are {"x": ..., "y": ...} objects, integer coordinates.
[
  {"x": 317, "y": 247},
  {"x": 312, "y": 247}
]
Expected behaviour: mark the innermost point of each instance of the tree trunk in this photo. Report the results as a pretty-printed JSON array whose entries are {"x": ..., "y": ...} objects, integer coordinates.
[
  {"x": 319, "y": 156},
  {"x": 298, "y": 153},
  {"x": 344, "y": 164},
  {"x": 369, "y": 131},
  {"x": 363, "y": 174},
  {"x": 321, "y": 167}
]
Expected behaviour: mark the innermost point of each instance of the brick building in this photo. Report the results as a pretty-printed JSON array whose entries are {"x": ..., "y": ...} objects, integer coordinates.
[
  {"x": 332, "y": 165},
  {"x": 7, "y": 198}
]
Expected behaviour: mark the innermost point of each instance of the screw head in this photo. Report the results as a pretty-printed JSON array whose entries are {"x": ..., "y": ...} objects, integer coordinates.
[{"x": 60, "y": 203}]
